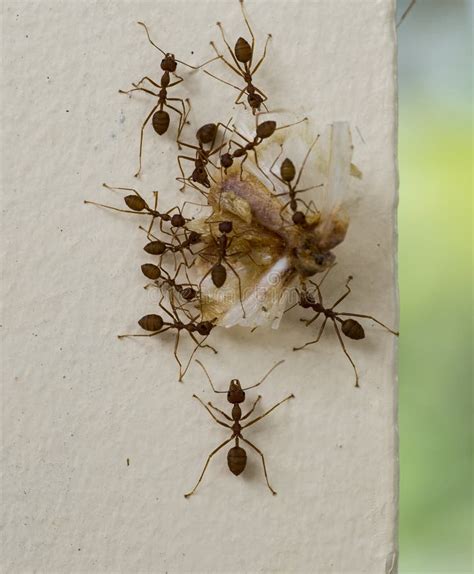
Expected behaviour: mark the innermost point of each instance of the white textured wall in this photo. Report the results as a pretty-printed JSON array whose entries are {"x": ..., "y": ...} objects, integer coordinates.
[{"x": 77, "y": 402}]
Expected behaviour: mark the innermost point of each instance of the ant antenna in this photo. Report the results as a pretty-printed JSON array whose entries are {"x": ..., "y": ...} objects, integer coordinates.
[
  {"x": 265, "y": 376},
  {"x": 208, "y": 376}
]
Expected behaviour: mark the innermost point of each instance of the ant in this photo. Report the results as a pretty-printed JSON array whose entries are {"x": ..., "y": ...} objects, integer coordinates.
[
  {"x": 156, "y": 325},
  {"x": 263, "y": 131},
  {"x": 236, "y": 457},
  {"x": 160, "y": 118},
  {"x": 349, "y": 327},
  {"x": 138, "y": 205},
  {"x": 218, "y": 271},
  {"x": 286, "y": 177},
  {"x": 242, "y": 55},
  {"x": 206, "y": 135},
  {"x": 155, "y": 273},
  {"x": 159, "y": 247}
]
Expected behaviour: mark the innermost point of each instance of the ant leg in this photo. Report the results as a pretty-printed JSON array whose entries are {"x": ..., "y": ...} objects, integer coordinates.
[
  {"x": 148, "y": 79},
  {"x": 175, "y": 353},
  {"x": 221, "y": 412},
  {"x": 221, "y": 80},
  {"x": 308, "y": 153},
  {"x": 292, "y": 396},
  {"x": 248, "y": 26},
  {"x": 238, "y": 102},
  {"x": 180, "y": 157},
  {"x": 113, "y": 208},
  {"x": 181, "y": 114},
  {"x": 212, "y": 414},
  {"x": 348, "y": 290},
  {"x": 237, "y": 63},
  {"x": 136, "y": 88},
  {"x": 141, "y": 139},
  {"x": 205, "y": 466},
  {"x": 252, "y": 409},
  {"x": 240, "y": 287},
  {"x": 396, "y": 333},
  {"x": 321, "y": 331},
  {"x": 346, "y": 353},
  {"x": 144, "y": 334},
  {"x": 311, "y": 321},
  {"x": 257, "y": 66},
  {"x": 263, "y": 462},
  {"x": 276, "y": 175},
  {"x": 201, "y": 345}
]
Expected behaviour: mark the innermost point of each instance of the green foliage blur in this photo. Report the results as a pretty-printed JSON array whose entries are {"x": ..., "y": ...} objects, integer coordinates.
[{"x": 435, "y": 274}]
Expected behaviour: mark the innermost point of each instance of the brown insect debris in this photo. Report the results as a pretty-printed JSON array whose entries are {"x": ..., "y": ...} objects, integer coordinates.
[
  {"x": 242, "y": 56},
  {"x": 236, "y": 457},
  {"x": 349, "y": 327}
]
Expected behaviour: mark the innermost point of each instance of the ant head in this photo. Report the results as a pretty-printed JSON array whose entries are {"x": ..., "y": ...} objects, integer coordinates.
[
  {"x": 287, "y": 170},
  {"x": 168, "y": 63},
  {"x": 178, "y": 220},
  {"x": 266, "y": 129},
  {"x": 352, "y": 329},
  {"x": 151, "y": 322},
  {"x": 205, "y": 327},
  {"x": 306, "y": 300},
  {"x": 298, "y": 218},
  {"x": 235, "y": 394},
  {"x": 226, "y": 160},
  {"x": 206, "y": 133},
  {"x": 199, "y": 175},
  {"x": 243, "y": 51},
  {"x": 254, "y": 100},
  {"x": 194, "y": 237},
  {"x": 188, "y": 294},
  {"x": 225, "y": 226},
  {"x": 151, "y": 271}
]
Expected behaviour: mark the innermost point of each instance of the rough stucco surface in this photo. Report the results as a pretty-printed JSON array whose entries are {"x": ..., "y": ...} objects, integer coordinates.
[{"x": 77, "y": 402}]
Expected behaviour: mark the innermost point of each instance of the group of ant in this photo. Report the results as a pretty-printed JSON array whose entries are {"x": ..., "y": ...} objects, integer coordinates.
[{"x": 216, "y": 150}]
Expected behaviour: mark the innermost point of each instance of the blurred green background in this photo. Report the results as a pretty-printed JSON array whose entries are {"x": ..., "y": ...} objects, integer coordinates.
[{"x": 435, "y": 261}]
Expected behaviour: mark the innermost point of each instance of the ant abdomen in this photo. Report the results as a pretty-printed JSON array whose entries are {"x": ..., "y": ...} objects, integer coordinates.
[
  {"x": 353, "y": 329},
  {"x": 135, "y": 202},
  {"x": 161, "y": 122},
  {"x": 287, "y": 170},
  {"x": 237, "y": 460},
  {"x": 155, "y": 247},
  {"x": 243, "y": 51},
  {"x": 206, "y": 133},
  {"x": 151, "y": 271},
  {"x": 151, "y": 323},
  {"x": 218, "y": 275}
]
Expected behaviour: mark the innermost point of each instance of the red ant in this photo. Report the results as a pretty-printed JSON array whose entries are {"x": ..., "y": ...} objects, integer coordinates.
[
  {"x": 139, "y": 206},
  {"x": 206, "y": 135},
  {"x": 156, "y": 274},
  {"x": 263, "y": 131},
  {"x": 349, "y": 327},
  {"x": 218, "y": 271},
  {"x": 159, "y": 116},
  {"x": 287, "y": 175},
  {"x": 156, "y": 325},
  {"x": 236, "y": 457},
  {"x": 242, "y": 56}
]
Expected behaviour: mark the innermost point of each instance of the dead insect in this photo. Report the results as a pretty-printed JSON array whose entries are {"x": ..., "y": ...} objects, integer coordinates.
[
  {"x": 160, "y": 118},
  {"x": 349, "y": 327},
  {"x": 138, "y": 205},
  {"x": 236, "y": 457},
  {"x": 156, "y": 325},
  {"x": 242, "y": 55},
  {"x": 206, "y": 135}
]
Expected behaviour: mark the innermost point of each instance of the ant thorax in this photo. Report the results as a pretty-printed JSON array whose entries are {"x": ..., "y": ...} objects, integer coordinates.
[{"x": 269, "y": 253}]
